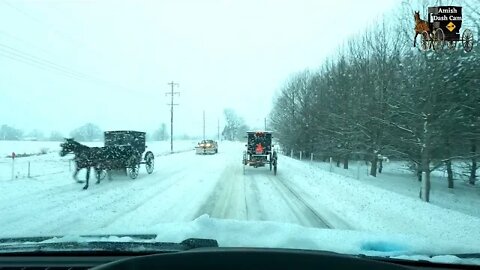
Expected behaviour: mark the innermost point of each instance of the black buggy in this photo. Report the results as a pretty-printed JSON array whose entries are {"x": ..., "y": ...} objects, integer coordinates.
[
  {"x": 260, "y": 151},
  {"x": 445, "y": 23},
  {"x": 124, "y": 150}
]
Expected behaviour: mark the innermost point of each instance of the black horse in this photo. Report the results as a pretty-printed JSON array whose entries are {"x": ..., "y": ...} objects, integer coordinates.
[{"x": 85, "y": 158}]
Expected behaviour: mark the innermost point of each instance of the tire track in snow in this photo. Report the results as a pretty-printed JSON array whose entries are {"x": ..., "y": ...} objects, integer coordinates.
[
  {"x": 253, "y": 200},
  {"x": 74, "y": 206},
  {"x": 224, "y": 197},
  {"x": 306, "y": 214},
  {"x": 176, "y": 204},
  {"x": 239, "y": 196},
  {"x": 59, "y": 197},
  {"x": 123, "y": 207}
]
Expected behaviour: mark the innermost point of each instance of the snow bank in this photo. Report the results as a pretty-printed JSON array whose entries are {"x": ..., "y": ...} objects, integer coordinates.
[
  {"x": 267, "y": 234},
  {"x": 398, "y": 178},
  {"x": 371, "y": 209}
]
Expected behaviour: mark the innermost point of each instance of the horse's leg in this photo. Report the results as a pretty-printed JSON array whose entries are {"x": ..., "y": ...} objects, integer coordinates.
[
  {"x": 88, "y": 176},
  {"x": 75, "y": 173},
  {"x": 415, "y": 39},
  {"x": 97, "y": 172}
]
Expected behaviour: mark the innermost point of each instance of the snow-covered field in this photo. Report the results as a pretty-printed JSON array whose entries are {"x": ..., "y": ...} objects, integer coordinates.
[
  {"x": 191, "y": 195},
  {"x": 397, "y": 178}
]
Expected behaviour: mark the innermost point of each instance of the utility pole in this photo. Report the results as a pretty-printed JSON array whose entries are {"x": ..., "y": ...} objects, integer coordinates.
[
  {"x": 218, "y": 129},
  {"x": 203, "y": 124},
  {"x": 172, "y": 93}
]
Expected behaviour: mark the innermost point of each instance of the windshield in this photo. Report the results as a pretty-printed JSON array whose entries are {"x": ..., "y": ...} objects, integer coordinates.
[{"x": 348, "y": 126}]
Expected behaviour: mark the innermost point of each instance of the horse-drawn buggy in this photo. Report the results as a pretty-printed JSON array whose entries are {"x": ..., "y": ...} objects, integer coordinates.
[
  {"x": 442, "y": 28},
  {"x": 124, "y": 150},
  {"x": 260, "y": 151}
]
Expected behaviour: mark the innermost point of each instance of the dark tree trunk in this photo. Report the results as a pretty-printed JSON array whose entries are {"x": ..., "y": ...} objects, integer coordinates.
[
  {"x": 448, "y": 163},
  {"x": 473, "y": 170},
  {"x": 345, "y": 163},
  {"x": 419, "y": 174},
  {"x": 338, "y": 162},
  {"x": 449, "y": 173},
  {"x": 380, "y": 167},
  {"x": 373, "y": 169},
  {"x": 425, "y": 189}
]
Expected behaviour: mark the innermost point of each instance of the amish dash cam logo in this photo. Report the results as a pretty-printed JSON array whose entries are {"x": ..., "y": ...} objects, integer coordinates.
[{"x": 446, "y": 17}]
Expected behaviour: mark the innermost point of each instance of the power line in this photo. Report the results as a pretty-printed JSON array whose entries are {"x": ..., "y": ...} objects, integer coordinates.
[
  {"x": 29, "y": 59},
  {"x": 7, "y": 50},
  {"x": 172, "y": 93},
  {"x": 28, "y": 43},
  {"x": 52, "y": 29},
  {"x": 46, "y": 64}
]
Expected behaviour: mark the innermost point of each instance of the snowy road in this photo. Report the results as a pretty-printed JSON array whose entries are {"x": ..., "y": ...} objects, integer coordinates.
[
  {"x": 183, "y": 187},
  {"x": 258, "y": 195}
]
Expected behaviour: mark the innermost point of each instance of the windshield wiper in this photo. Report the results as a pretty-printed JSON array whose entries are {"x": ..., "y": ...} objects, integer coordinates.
[
  {"x": 468, "y": 255},
  {"x": 141, "y": 244}
]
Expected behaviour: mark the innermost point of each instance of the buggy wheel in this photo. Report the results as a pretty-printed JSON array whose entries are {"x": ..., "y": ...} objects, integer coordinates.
[
  {"x": 275, "y": 167},
  {"x": 467, "y": 40},
  {"x": 438, "y": 39},
  {"x": 244, "y": 161},
  {"x": 270, "y": 162},
  {"x": 274, "y": 155},
  {"x": 424, "y": 41},
  {"x": 149, "y": 162},
  {"x": 132, "y": 167},
  {"x": 100, "y": 174}
]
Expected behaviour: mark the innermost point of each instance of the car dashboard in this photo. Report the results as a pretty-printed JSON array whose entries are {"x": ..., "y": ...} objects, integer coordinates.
[{"x": 213, "y": 258}]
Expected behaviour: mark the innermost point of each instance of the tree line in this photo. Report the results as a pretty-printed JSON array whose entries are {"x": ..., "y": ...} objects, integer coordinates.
[
  {"x": 379, "y": 97},
  {"x": 235, "y": 128},
  {"x": 87, "y": 133}
]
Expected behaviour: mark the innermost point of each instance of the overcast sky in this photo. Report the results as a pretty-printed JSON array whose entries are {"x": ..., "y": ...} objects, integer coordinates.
[{"x": 67, "y": 62}]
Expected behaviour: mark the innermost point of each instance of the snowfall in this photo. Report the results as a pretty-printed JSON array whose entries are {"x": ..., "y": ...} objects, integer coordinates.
[{"x": 307, "y": 205}]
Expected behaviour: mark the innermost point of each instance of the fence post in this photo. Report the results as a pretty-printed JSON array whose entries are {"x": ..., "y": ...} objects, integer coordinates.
[
  {"x": 291, "y": 153},
  {"x": 29, "y": 169},
  {"x": 13, "y": 168},
  {"x": 300, "y": 155},
  {"x": 311, "y": 157},
  {"x": 331, "y": 165}
]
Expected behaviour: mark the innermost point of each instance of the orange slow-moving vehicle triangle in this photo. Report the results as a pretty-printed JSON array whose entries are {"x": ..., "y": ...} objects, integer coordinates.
[{"x": 259, "y": 148}]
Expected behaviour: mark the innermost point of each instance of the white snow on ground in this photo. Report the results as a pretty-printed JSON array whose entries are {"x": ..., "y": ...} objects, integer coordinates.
[
  {"x": 397, "y": 178},
  {"x": 192, "y": 195},
  {"x": 369, "y": 208}
]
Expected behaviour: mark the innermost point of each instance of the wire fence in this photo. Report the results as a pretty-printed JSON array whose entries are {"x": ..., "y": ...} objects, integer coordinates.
[
  {"x": 361, "y": 168},
  {"x": 20, "y": 168}
]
